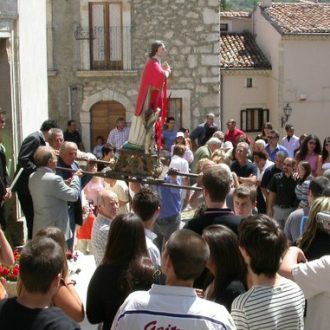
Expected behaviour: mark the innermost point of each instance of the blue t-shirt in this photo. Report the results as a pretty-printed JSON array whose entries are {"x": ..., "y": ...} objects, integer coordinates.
[
  {"x": 169, "y": 138},
  {"x": 170, "y": 198}
]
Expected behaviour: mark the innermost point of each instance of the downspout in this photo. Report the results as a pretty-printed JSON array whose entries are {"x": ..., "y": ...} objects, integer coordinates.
[
  {"x": 69, "y": 103},
  {"x": 221, "y": 100}
]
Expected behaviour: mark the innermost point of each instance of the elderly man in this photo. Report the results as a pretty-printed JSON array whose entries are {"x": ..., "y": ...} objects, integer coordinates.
[
  {"x": 199, "y": 132},
  {"x": 25, "y": 161},
  {"x": 55, "y": 139},
  {"x": 107, "y": 204},
  {"x": 205, "y": 151},
  {"x": 50, "y": 193},
  {"x": 68, "y": 154}
]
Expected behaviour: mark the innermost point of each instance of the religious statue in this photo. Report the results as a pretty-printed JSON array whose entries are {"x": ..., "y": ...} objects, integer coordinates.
[{"x": 151, "y": 106}]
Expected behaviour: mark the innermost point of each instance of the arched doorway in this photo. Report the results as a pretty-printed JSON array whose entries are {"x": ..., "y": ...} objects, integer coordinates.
[{"x": 103, "y": 118}]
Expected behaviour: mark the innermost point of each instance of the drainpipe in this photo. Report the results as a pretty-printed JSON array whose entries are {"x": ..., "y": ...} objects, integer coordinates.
[
  {"x": 69, "y": 103},
  {"x": 221, "y": 100}
]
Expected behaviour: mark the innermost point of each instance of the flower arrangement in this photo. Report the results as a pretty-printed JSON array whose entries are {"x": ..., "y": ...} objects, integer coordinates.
[{"x": 11, "y": 273}]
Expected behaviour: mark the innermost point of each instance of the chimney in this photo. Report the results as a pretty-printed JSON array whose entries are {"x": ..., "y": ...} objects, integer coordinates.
[{"x": 265, "y": 3}]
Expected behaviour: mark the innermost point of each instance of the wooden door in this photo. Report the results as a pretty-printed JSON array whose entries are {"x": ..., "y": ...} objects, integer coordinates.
[{"x": 103, "y": 118}]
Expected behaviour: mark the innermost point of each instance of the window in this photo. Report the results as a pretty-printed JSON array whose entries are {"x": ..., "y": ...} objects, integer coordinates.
[
  {"x": 106, "y": 31},
  {"x": 253, "y": 119},
  {"x": 175, "y": 110},
  {"x": 224, "y": 27},
  {"x": 249, "y": 83}
]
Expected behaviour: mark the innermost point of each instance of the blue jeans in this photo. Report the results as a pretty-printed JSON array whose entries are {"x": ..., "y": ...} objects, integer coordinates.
[{"x": 164, "y": 228}]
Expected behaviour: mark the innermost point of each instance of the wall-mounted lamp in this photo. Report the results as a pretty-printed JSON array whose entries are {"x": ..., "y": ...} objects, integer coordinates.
[{"x": 287, "y": 110}]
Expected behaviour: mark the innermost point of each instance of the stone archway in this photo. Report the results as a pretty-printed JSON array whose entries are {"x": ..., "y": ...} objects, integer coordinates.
[
  {"x": 104, "y": 117},
  {"x": 102, "y": 96}
]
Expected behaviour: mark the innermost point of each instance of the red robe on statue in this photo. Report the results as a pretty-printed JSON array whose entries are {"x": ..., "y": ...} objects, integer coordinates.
[{"x": 153, "y": 94}]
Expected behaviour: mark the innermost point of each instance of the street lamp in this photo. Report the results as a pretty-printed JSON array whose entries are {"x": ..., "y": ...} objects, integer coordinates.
[{"x": 287, "y": 110}]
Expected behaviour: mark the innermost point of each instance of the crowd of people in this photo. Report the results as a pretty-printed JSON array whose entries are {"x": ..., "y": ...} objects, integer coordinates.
[
  {"x": 253, "y": 251},
  {"x": 221, "y": 269}
]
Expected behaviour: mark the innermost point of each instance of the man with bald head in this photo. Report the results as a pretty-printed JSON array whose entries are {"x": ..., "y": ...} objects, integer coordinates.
[
  {"x": 67, "y": 157},
  {"x": 50, "y": 193},
  {"x": 107, "y": 205},
  {"x": 25, "y": 161}
]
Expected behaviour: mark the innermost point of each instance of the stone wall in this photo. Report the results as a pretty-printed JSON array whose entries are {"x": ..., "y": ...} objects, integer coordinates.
[{"x": 190, "y": 30}]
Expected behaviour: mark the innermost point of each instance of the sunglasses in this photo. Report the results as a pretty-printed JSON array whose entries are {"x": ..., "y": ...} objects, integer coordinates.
[{"x": 311, "y": 142}]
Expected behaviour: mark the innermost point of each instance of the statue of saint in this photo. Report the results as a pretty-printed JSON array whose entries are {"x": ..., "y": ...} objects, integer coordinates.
[{"x": 151, "y": 106}]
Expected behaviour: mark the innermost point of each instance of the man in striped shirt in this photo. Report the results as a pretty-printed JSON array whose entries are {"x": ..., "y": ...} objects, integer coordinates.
[{"x": 272, "y": 302}]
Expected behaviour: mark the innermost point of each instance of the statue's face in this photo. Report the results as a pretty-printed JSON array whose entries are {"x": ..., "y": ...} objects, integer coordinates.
[{"x": 161, "y": 51}]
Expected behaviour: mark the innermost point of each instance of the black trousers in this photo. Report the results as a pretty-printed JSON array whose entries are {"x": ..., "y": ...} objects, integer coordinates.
[
  {"x": 3, "y": 221},
  {"x": 25, "y": 200}
]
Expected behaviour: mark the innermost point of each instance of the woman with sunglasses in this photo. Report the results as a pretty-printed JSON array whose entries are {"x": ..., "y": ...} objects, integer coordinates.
[
  {"x": 310, "y": 151},
  {"x": 324, "y": 164}
]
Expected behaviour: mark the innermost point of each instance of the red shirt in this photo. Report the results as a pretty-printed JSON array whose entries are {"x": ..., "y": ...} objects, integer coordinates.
[{"x": 234, "y": 134}]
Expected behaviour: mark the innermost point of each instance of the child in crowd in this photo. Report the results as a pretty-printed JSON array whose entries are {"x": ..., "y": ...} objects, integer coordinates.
[
  {"x": 41, "y": 266},
  {"x": 97, "y": 151},
  {"x": 245, "y": 200}
]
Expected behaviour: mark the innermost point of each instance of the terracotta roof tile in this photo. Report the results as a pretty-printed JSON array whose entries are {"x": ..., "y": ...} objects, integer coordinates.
[
  {"x": 299, "y": 18},
  {"x": 235, "y": 14},
  {"x": 240, "y": 51}
]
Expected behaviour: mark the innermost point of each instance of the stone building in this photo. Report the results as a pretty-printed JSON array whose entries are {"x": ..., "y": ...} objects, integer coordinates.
[{"x": 97, "y": 50}]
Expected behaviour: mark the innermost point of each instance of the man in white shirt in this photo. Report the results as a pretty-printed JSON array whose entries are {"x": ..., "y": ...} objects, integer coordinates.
[
  {"x": 146, "y": 205},
  {"x": 107, "y": 206},
  {"x": 291, "y": 141},
  {"x": 176, "y": 304},
  {"x": 119, "y": 135},
  {"x": 313, "y": 279}
]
